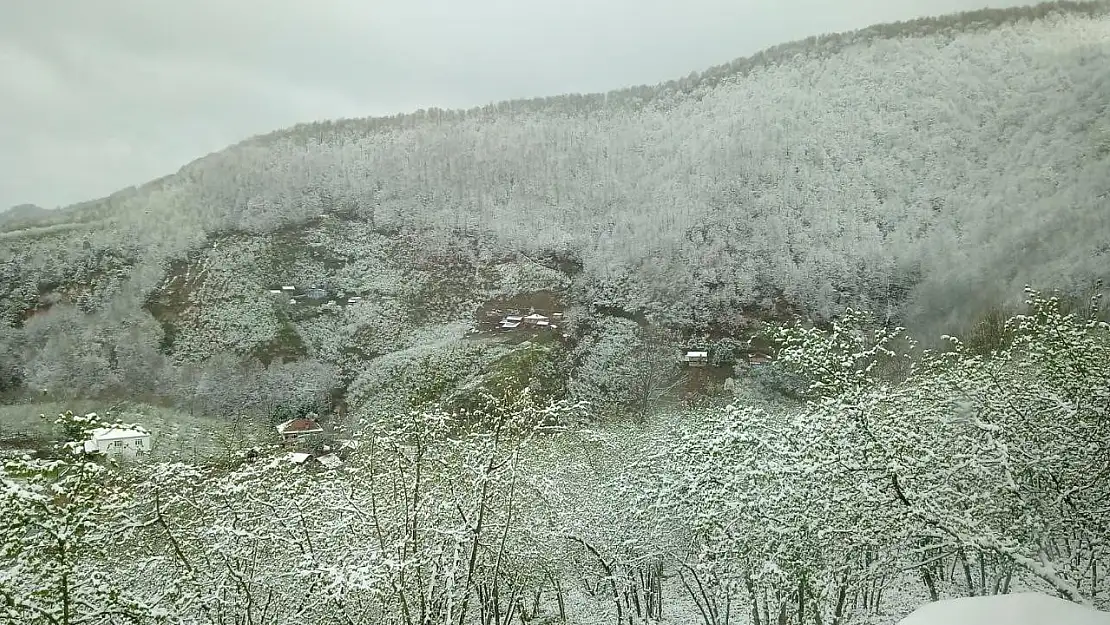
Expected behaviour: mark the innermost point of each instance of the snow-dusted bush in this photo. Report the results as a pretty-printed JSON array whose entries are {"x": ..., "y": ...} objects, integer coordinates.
[
  {"x": 526, "y": 276},
  {"x": 993, "y": 466}
]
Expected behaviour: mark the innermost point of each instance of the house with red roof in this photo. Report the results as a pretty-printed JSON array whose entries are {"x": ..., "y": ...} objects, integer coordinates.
[{"x": 296, "y": 429}]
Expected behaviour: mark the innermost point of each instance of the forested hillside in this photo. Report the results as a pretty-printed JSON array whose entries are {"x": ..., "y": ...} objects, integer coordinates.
[{"x": 925, "y": 170}]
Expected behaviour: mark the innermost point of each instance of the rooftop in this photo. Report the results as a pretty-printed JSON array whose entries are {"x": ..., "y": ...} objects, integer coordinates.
[
  {"x": 299, "y": 426},
  {"x": 108, "y": 434}
]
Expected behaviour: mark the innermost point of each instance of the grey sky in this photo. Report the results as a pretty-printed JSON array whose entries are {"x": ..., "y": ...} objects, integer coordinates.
[{"x": 99, "y": 95}]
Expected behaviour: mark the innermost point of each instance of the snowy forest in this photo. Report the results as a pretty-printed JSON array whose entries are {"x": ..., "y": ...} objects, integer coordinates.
[
  {"x": 899, "y": 478},
  {"x": 865, "y": 210}
]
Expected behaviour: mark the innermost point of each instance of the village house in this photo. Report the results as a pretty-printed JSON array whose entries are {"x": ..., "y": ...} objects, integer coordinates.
[
  {"x": 535, "y": 319},
  {"x": 118, "y": 442},
  {"x": 295, "y": 429},
  {"x": 758, "y": 360},
  {"x": 696, "y": 358},
  {"x": 511, "y": 322}
]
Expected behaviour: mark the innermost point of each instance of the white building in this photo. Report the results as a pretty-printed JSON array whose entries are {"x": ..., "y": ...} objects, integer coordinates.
[
  {"x": 118, "y": 442},
  {"x": 696, "y": 358}
]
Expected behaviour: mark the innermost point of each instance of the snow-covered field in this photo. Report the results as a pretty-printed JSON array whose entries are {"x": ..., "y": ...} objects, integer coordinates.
[{"x": 1013, "y": 609}]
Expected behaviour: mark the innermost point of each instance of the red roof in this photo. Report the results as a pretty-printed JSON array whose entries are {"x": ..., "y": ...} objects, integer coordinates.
[{"x": 299, "y": 426}]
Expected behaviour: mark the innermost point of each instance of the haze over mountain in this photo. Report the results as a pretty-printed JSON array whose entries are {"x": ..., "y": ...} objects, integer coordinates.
[{"x": 90, "y": 92}]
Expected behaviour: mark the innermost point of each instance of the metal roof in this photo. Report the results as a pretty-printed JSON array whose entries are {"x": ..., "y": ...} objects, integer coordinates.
[{"x": 108, "y": 434}]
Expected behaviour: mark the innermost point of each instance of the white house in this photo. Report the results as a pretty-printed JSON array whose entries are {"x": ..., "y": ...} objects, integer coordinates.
[{"x": 118, "y": 442}]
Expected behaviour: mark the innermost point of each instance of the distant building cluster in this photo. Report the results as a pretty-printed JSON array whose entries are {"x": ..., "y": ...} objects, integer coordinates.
[
  {"x": 313, "y": 294},
  {"x": 514, "y": 320},
  {"x": 700, "y": 358}
]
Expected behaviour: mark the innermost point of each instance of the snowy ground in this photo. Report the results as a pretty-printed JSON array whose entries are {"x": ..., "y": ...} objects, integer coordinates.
[
  {"x": 175, "y": 434},
  {"x": 1014, "y": 609}
]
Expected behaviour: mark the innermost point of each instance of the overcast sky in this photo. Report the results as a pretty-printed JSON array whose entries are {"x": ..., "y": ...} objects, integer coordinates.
[{"x": 96, "y": 95}]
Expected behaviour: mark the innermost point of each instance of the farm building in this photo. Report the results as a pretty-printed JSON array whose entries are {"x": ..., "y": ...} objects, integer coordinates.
[
  {"x": 696, "y": 358},
  {"x": 296, "y": 429},
  {"x": 758, "y": 360},
  {"x": 535, "y": 319},
  {"x": 118, "y": 442}
]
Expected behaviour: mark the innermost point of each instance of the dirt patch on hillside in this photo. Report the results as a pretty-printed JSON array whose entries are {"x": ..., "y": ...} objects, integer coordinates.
[
  {"x": 493, "y": 311},
  {"x": 170, "y": 305}
]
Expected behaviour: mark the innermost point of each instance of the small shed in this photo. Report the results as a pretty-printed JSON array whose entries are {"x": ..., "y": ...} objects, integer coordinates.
[
  {"x": 288, "y": 288},
  {"x": 696, "y": 358},
  {"x": 118, "y": 441},
  {"x": 510, "y": 325},
  {"x": 296, "y": 429},
  {"x": 513, "y": 319},
  {"x": 275, "y": 291},
  {"x": 758, "y": 360}
]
